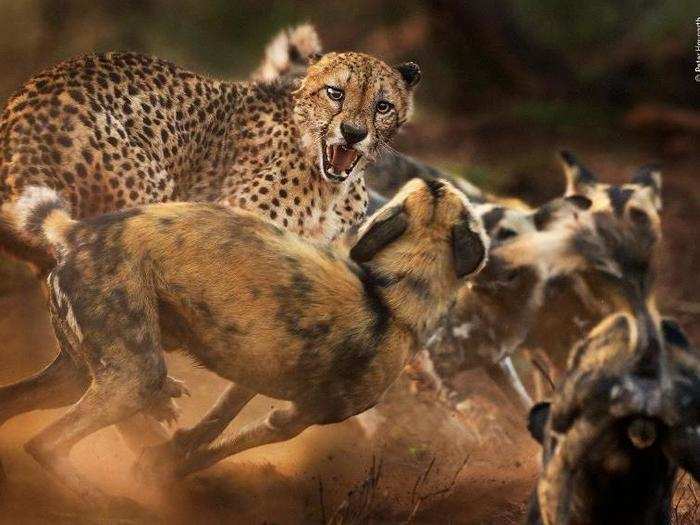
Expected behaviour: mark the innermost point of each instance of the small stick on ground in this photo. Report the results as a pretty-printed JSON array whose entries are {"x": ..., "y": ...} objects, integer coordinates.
[
  {"x": 422, "y": 480},
  {"x": 357, "y": 507}
]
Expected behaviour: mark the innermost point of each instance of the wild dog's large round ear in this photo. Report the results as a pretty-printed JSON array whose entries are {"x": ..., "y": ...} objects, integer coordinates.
[
  {"x": 578, "y": 177},
  {"x": 580, "y": 201},
  {"x": 537, "y": 419},
  {"x": 673, "y": 333},
  {"x": 467, "y": 247},
  {"x": 649, "y": 176},
  {"x": 385, "y": 228},
  {"x": 410, "y": 72},
  {"x": 682, "y": 446}
]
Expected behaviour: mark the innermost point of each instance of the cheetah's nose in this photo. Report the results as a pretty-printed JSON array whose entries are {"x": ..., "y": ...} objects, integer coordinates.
[{"x": 352, "y": 134}]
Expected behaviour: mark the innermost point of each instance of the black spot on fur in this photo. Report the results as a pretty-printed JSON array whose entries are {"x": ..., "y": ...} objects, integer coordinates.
[
  {"x": 580, "y": 201},
  {"x": 492, "y": 217},
  {"x": 504, "y": 234},
  {"x": 436, "y": 187},
  {"x": 643, "y": 177},
  {"x": 619, "y": 198},
  {"x": 542, "y": 217}
]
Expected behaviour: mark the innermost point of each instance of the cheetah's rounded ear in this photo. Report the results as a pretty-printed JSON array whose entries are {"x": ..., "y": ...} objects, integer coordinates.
[
  {"x": 385, "y": 228},
  {"x": 410, "y": 72}
]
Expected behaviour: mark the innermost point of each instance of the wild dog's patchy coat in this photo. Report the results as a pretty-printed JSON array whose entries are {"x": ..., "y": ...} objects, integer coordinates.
[
  {"x": 619, "y": 426},
  {"x": 273, "y": 313},
  {"x": 583, "y": 256}
]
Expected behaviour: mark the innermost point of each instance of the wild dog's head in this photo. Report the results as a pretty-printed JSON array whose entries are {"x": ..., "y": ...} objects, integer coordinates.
[
  {"x": 626, "y": 415},
  {"x": 638, "y": 200},
  {"x": 511, "y": 285},
  {"x": 348, "y": 107},
  {"x": 622, "y": 236},
  {"x": 420, "y": 245}
]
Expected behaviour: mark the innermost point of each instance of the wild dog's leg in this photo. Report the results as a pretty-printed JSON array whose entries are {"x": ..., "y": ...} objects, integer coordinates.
[
  {"x": 141, "y": 431},
  {"x": 544, "y": 373},
  {"x": 160, "y": 458},
  {"x": 505, "y": 376},
  {"x": 227, "y": 407},
  {"x": 278, "y": 425},
  {"x": 424, "y": 377},
  {"x": 127, "y": 368},
  {"x": 59, "y": 384},
  {"x": 126, "y": 382}
]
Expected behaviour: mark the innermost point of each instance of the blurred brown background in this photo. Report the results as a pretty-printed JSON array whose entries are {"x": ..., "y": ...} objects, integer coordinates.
[{"x": 505, "y": 85}]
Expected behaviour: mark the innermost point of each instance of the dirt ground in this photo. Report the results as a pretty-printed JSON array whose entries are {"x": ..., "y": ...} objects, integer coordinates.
[{"x": 423, "y": 463}]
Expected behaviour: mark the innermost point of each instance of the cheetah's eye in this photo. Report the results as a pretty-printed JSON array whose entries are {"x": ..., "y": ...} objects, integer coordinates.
[
  {"x": 384, "y": 107},
  {"x": 335, "y": 93}
]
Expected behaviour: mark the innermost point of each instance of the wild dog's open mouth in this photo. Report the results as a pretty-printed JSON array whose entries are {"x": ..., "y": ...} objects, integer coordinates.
[{"x": 339, "y": 161}]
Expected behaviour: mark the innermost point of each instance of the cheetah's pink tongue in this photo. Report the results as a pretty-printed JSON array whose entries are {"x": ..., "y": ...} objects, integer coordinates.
[{"x": 341, "y": 158}]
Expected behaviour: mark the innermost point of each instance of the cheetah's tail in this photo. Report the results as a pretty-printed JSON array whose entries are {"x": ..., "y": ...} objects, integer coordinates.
[
  {"x": 40, "y": 214},
  {"x": 288, "y": 53}
]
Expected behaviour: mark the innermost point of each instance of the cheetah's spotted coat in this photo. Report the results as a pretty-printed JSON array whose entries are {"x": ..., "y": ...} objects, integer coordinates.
[{"x": 118, "y": 130}]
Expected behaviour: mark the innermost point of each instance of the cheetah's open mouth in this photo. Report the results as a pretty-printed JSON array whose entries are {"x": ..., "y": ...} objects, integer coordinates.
[{"x": 338, "y": 161}]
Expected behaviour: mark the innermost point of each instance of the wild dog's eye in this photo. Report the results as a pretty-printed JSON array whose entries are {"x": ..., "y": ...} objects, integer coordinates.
[
  {"x": 335, "y": 93},
  {"x": 384, "y": 107}
]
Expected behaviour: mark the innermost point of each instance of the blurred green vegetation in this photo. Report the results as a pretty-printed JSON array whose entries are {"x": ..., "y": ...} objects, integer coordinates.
[{"x": 475, "y": 55}]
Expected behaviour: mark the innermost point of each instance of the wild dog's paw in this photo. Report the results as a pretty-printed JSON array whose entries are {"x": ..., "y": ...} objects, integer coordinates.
[
  {"x": 165, "y": 410},
  {"x": 175, "y": 388}
]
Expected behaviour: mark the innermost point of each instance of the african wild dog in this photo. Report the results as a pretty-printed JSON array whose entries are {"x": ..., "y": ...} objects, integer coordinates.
[
  {"x": 580, "y": 298},
  {"x": 559, "y": 255},
  {"x": 276, "y": 314},
  {"x": 626, "y": 416}
]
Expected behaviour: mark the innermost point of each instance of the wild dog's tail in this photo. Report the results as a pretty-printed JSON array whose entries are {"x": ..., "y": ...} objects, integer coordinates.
[
  {"x": 42, "y": 217},
  {"x": 287, "y": 54}
]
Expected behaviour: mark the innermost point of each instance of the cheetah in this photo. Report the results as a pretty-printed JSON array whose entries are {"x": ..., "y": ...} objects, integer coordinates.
[
  {"x": 328, "y": 330},
  {"x": 116, "y": 130}
]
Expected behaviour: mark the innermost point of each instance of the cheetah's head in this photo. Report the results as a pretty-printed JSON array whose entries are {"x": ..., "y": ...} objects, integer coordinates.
[{"x": 348, "y": 107}]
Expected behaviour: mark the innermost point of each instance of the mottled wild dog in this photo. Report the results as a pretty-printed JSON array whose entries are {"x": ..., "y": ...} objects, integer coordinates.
[
  {"x": 270, "y": 311},
  {"x": 636, "y": 207},
  {"x": 625, "y": 418},
  {"x": 563, "y": 255}
]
